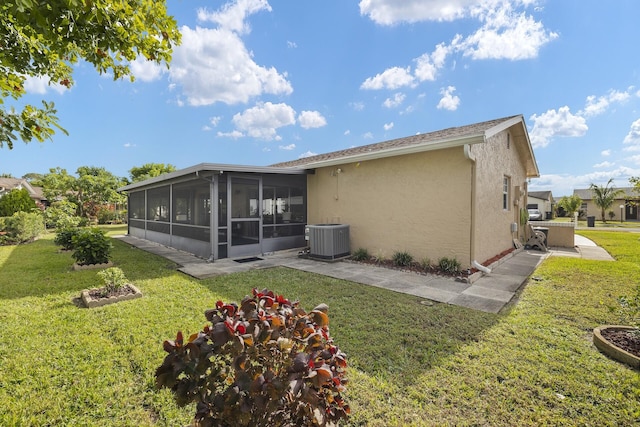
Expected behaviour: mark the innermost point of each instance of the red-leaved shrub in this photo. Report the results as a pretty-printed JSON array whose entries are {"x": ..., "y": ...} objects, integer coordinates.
[{"x": 265, "y": 363}]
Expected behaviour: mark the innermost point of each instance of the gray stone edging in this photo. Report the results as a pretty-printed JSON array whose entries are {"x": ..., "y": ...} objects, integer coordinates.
[
  {"x": 91, "y": 303},
  {"x": 77, "y": 266}
]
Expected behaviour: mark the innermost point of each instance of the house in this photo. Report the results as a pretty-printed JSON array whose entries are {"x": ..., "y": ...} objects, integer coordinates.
[
  {"x": 456, "y": 193},
  {"x": 8, "y": 184},
  {"x": 541, "y": 200},
  {"x": 626, "y": 204}
]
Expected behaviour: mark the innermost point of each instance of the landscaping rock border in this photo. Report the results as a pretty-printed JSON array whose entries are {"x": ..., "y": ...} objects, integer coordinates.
[
  {"x": 90, "y": 302},
  {"x": 77, "y": 266},
  {"x": 612, "y": 350}
]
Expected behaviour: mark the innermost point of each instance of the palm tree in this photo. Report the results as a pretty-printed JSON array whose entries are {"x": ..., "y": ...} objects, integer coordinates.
[{"x": 603, "y": 197}]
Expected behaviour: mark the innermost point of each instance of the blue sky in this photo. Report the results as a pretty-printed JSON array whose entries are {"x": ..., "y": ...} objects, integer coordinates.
[{"x": 257, "y": 82}]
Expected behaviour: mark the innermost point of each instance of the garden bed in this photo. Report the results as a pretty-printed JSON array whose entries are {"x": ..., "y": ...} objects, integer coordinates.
[{"x": 97, "y": 298}]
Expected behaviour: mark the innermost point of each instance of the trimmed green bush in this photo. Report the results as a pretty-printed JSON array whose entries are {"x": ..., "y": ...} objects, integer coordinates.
[
  {"x": 402, "y": 259},
  {"x": 61, "y": 214},
  {"x": 91, "y": 246},
  {"x": 264, "y": 363},
  {"x": 360, "y": 254},
  {"x": 16, "y": 201},
  {"x": 23, "y": 227},
  {"x": 64, "y": 238},
  {"x": 449, "y": 265}
]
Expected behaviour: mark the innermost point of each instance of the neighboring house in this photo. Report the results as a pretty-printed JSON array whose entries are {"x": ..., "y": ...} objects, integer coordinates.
[
  {"x": 628, "y": 200},
  {"x": 8, "y": 184},
  {"x": 541, "y": 200},
  {"x": 455, "y": 193}
]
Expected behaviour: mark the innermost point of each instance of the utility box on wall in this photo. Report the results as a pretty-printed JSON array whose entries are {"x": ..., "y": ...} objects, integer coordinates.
[{"x": 328, "y": 241}]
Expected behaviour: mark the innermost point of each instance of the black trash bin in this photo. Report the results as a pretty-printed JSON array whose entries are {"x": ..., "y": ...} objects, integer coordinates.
[{"x": 591, "y": 221}]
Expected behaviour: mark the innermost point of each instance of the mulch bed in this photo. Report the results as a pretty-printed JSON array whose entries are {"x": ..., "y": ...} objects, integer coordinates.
[
  {"x": 627, "y": 340},
  {"x": 97, "y": 294}
]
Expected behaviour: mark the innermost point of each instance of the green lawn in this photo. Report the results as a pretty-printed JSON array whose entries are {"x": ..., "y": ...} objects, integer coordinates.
[{"x": 410, "y": 363}]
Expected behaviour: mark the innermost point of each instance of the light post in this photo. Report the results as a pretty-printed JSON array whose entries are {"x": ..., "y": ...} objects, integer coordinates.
[{"x": 621, "y": 211}]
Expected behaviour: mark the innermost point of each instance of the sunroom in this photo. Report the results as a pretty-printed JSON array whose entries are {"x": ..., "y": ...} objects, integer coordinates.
[{"x": 221, "y": 211}]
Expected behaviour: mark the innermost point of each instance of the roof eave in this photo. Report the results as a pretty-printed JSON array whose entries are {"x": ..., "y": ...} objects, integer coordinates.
[{"x": 398, "y": 151}]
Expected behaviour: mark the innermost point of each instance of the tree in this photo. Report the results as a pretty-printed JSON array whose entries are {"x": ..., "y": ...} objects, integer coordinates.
[
  {"x": 604, "y": 196},
  {"x": 16, "y": 201},
  {"x": 570, "y": 204},
  {"x": 93, "y": 188},
  {"x": 44, "y": 39},
  {"x": 150, "y": 170}
]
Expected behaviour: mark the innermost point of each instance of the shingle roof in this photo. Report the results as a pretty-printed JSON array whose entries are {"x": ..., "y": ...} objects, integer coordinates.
[
  {"x": 543, "y": 195},
  {"x": 587, "y": 194},
  {"x": 453, "y": 133}
]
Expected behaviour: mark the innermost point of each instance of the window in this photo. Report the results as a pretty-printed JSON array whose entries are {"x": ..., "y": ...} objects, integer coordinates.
[
  {"x": 506, "y": 185},
  {"x": 158, "y": 204}
]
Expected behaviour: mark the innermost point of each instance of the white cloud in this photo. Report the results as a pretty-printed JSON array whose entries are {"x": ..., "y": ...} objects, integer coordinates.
[
  {"x": 633, "y": 137},
  {"x": 368, "y": 135},
  {"x": 390, "y": 12},
  {"x": 307, "y": 154},
  {"x": 396, "y": 101},
  {"x": 129, "y": 145},
  {"x": 596, "y": 106},
  {"x": 564, "y": 184},
  {"x": 215, "y": 120},
  {"x": 232, "y": 15},
  {"x": 428, "y": 65},
  {"x": 214, "y": 65},
  {"x": 357, "y": 106},
  {"x": 347, "y": 132},
  {"x": 554, "y": 123},
  {"x": 147, "y": 71},
  {"x": 291, "y": 45},
  {"x": 388, "y": 126},
  {"x": 391, "y": 78},
  {"x": 41, "y": 85},
  {"x": 448, "y": 101},
  {"x": 287, "y": 147},
  {"x": 505, "y": 34},
  {"x": 263, "y": 120},
  {"x": 605, "y": 153},
  {"x": 236, "y": 134},
  {"x": 604, "y": 164},
  {"x": 311, "y": 119}
]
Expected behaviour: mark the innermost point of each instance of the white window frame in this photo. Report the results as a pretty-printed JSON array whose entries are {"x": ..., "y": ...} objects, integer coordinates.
[{"x": 506, "y": 193}]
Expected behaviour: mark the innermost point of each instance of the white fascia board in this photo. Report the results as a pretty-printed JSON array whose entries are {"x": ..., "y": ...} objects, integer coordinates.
[
  {"x": 209, "y": 169},
  {"x": 391, "y": 152}
]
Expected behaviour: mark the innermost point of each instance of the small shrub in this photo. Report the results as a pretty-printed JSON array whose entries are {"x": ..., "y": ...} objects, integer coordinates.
[
  {"x": 449, "y": 265},
  {"x": 425, "y": 264},
  {"x": 61, "y": 214},
  {"x": 64, "y": 238},
  {"x": 361, "y": 254},
  {"x": 402, "y": 259},
  {"x": 612, "y": 215},
  {"x": 106, "y": 216},
  {"x": 17, "y": 200},
  {"x": 24, "y": 227},
  {"x": 113, "y": 279},
  {"x": 265, "y": 363},
  {"x": 379, "y": 257},
  {"x": 91, "y": 246}
]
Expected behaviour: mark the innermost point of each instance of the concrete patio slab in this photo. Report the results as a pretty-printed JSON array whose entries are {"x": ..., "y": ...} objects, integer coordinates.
[{"x": 489, "y": 293}]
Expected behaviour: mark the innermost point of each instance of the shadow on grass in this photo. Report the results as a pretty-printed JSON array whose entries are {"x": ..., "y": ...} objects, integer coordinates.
[
  {"x": 40, "y": 268},
  {"x": 384, "y": 333}
]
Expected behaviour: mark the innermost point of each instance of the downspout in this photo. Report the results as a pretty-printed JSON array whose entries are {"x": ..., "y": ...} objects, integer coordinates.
[{"x": 472, "y": 240}]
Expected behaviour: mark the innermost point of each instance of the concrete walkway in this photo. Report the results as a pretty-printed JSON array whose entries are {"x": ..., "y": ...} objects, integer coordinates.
[{"x": 485, "y": 292}]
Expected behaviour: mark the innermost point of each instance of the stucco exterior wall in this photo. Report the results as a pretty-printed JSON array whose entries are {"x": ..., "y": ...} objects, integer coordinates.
[
  {"x": 419, "y": 203},
  {"x": 500, "y": 156}
]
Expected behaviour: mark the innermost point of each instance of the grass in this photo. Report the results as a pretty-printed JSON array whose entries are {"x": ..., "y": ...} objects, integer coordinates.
[{"x": 410, "y": 363}]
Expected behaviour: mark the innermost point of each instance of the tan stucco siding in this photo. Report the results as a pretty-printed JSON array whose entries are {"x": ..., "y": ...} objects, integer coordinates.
[
  {"x": 496, "y": 159},
  {"x": 419, "y": 203}
]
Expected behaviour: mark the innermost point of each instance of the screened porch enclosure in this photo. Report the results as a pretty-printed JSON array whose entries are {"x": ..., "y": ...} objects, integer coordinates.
[{"x": 251, "y": 213}]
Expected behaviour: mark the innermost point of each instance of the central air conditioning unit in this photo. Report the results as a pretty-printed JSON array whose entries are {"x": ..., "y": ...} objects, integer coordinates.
[{"x": 328, "y": 241}]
